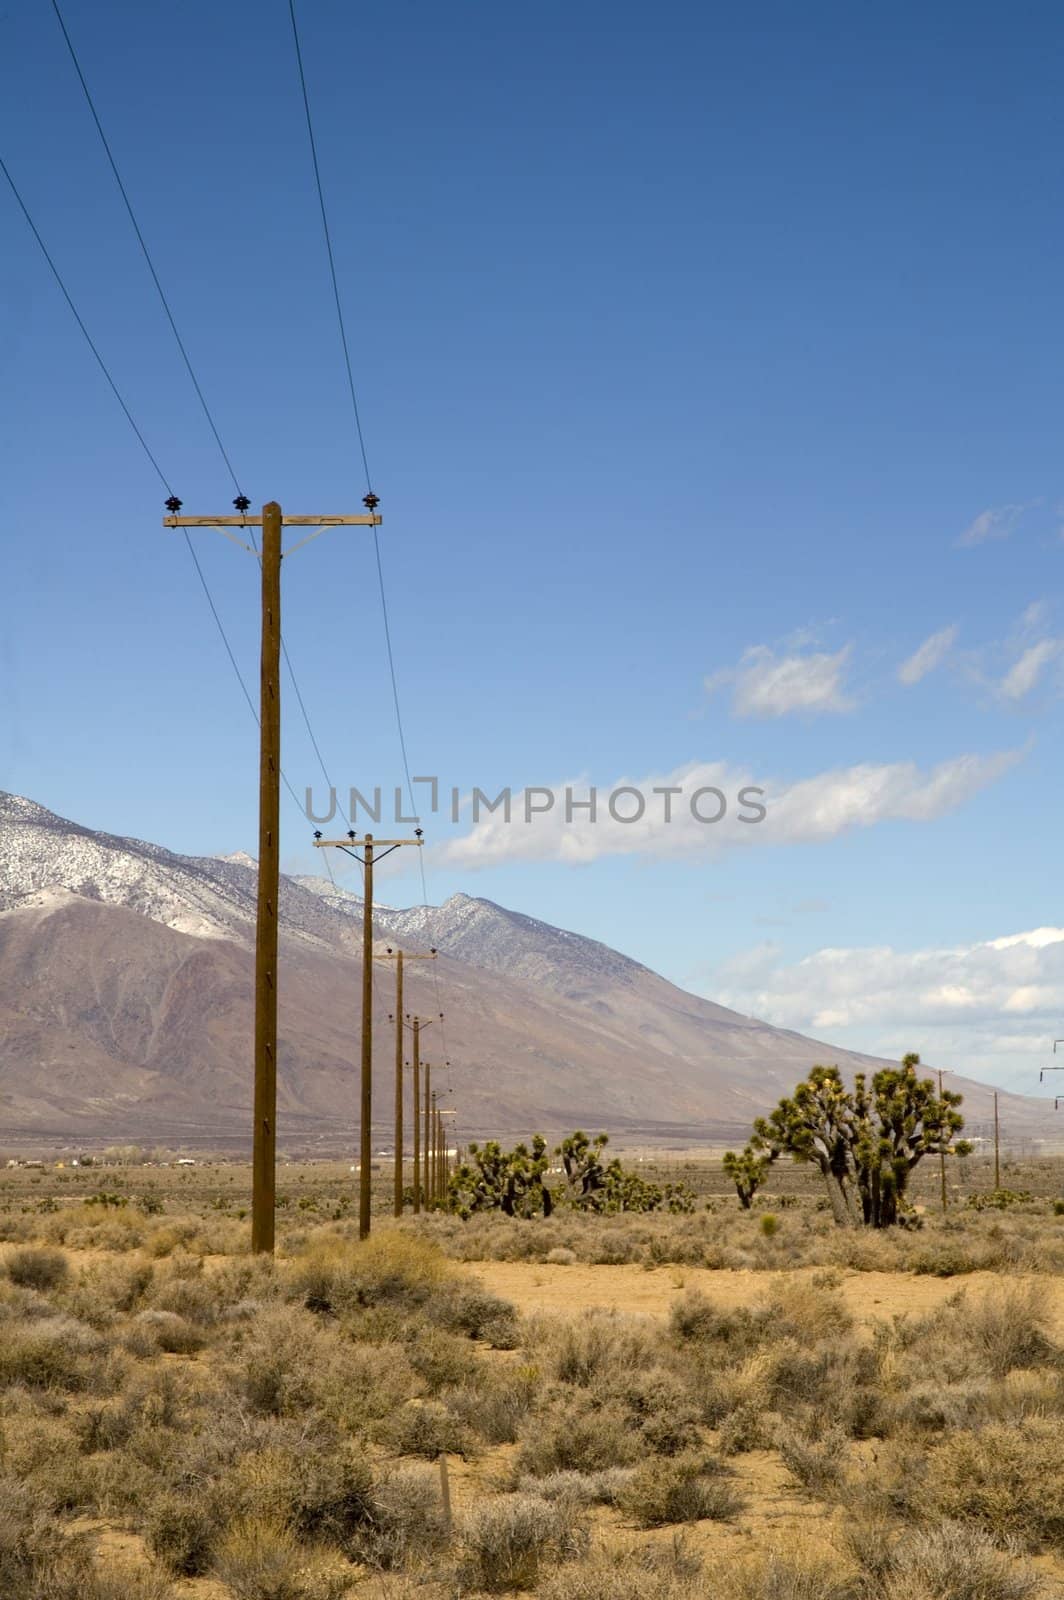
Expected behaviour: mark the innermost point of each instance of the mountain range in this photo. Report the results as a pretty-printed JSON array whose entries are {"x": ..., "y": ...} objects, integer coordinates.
[{"x": 126, "y": 976}]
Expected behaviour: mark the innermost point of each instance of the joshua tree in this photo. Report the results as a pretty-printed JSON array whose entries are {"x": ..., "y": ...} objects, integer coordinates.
[
  {"x": 900, "y": 1119},
  {"x": 866, "y": 1143},
  {"x": 748, "y": 1171},
  {"x": 510, "y": 1181},
  {"x": 816, "y": 1124},
  {"x": 582, "y": 1160}
]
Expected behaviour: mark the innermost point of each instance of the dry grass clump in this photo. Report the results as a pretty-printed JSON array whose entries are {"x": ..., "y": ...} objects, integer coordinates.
[
  {"x": 580, "y": 1488},
  {"x": 261, "y": 1560},
  {"x": 507, "y": 1542}
]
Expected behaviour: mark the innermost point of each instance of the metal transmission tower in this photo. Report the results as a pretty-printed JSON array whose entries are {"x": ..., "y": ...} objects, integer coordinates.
[{"x": 271, "y": 521}]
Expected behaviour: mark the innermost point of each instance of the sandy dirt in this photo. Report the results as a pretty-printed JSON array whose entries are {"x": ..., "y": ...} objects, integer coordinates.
[{"x": 870, "y": 1296}]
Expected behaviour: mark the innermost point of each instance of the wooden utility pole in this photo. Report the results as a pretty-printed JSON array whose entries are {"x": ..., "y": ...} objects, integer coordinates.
[
  {"x": 417, "y": 1115},
  {"x": 417, "y": 1025},
  {"x": 350, "y": 846},
  {"x": 443, "y": 1162},
  {"x": 264, "y": 1115},
  {"x": 427, "y": 1142},
  {"x": 264, "y": 1143},
  {"x": 398, "y": 956},
  {"x": 942, "y": 1151},
  {"x": 997, "y": 1144}
]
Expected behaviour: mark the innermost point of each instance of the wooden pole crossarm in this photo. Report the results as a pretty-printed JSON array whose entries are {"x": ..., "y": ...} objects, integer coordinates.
[
  {"x": 288, "y": 522},
  {"x": 353, "y": 844}
]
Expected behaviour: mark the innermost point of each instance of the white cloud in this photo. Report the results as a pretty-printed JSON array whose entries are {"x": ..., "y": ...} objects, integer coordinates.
[
  {"x": 1024, "y": 674},
  {"x": 930, "y": 655},
  {"x": 808, "y": 811},
  {"x": 996, "y": 522},
  {"x": 986, "y": 1007},
  {"x": 767, "y": 685}
]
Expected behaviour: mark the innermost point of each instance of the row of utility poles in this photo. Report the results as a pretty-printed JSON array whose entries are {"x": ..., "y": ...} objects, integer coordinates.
[{"x": 367, "y": 850}]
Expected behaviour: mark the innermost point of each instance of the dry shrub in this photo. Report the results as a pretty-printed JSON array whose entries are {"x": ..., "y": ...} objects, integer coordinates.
[
  {"x": 818, "y": 1464},
  {"x": 600, "y": 1343},
  {"x": 182, "y": 1528},
  {"x": 75, "y": 1578},
  {"x": 169, "y": 1332},
  {"x": 439, "y": 1358},
  {"x": 30, "y": 1541},
  {"x": 261, "y": 1560},
  {"x": 630, "y": 1572},
  {"x": 794, "y": 1574},
  {"x": 683, "y": 1489},
  {"x": 43, "y": 1452},
  {"x": 660, "y": 1405},
  {"x": 426, "y": 1428},
  {"x": 290, "y": 1362},
  {"x": 107, "y": 1288},
  {"x": 43, "y": 1270},
  {"x": 336, "y": 1274},
  {"x": 1007, "y": 1479},
  {"x": 508, "y": 1541},
  {"x": 577, "y": 1434},
  {"x": 948, "y": 1562},
  {"x": 52, "y": 1353},
  {"x": 315, "y": 1482},
  {"x": 579, "y": 1488},
  {"x": 1009, "y": 1328},
  {"x": 405, "y": 1519},
  {"x": 810, "y": 1313},
  {"x": 745, "y": 1428},
  {"x": 495, "y": 1405}
]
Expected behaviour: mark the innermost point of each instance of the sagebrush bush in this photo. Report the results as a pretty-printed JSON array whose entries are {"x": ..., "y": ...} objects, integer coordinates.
[
  {"x": 949, "y": 1562},
  {"x": 1007, "y": 1479},
  {"x": 43, "y": 1270},
  {"x": 405, "y": 1520},
  {"x": 263, "y": 1560},
  {"x": 574, "y": 1433},
  {"x": 682, "y": 1489},
  {"x": 509, "y": 1541}
]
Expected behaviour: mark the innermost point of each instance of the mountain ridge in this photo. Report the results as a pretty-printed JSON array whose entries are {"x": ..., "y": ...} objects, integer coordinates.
[{"x": 126, "y": 975}]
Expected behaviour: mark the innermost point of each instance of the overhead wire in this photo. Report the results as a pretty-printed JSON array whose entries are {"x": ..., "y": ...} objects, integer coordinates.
[
  {"x": 201, "y": 397},
  {"x": 361, "y": 437}
]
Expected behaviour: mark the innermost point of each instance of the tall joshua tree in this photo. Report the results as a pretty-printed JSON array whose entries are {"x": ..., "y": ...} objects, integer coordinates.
[{"x": 867, "y": 1143}]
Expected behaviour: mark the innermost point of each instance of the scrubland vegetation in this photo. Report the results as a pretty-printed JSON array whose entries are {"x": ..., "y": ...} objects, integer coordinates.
[{"x": 180, "y": 1419}]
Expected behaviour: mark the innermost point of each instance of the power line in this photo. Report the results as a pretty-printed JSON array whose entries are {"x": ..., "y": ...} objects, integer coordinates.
[
  {"x": 127, "y": 413},
  {"x": 201, "y": 397},
  {"x": 328, "y": 245},
  {"x": 345, "y": 346},
  {"x": 144, "y": 248},
  {"x": 101, "y": 363}
]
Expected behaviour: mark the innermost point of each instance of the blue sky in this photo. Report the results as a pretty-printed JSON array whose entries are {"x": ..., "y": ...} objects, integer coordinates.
[{"x": 709, "y": 365}]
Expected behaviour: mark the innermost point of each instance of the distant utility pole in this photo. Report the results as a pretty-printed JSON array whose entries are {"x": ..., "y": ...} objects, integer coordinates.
[
  {"x": 427, "y": 1151},
  {"x": 942, "y": 1149},
  {"x": 441, "y": 1145},
  {"x": 997, "y": 1144},
  {"x": 398, "y": 957},
  {"x": 417, "y": 1026},
  {"x": 271, "y": 521},
  {"x": 350, "y": 846}
]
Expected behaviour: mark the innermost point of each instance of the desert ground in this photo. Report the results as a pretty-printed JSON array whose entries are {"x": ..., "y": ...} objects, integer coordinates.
[{"x": 755, "y": 1405}]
